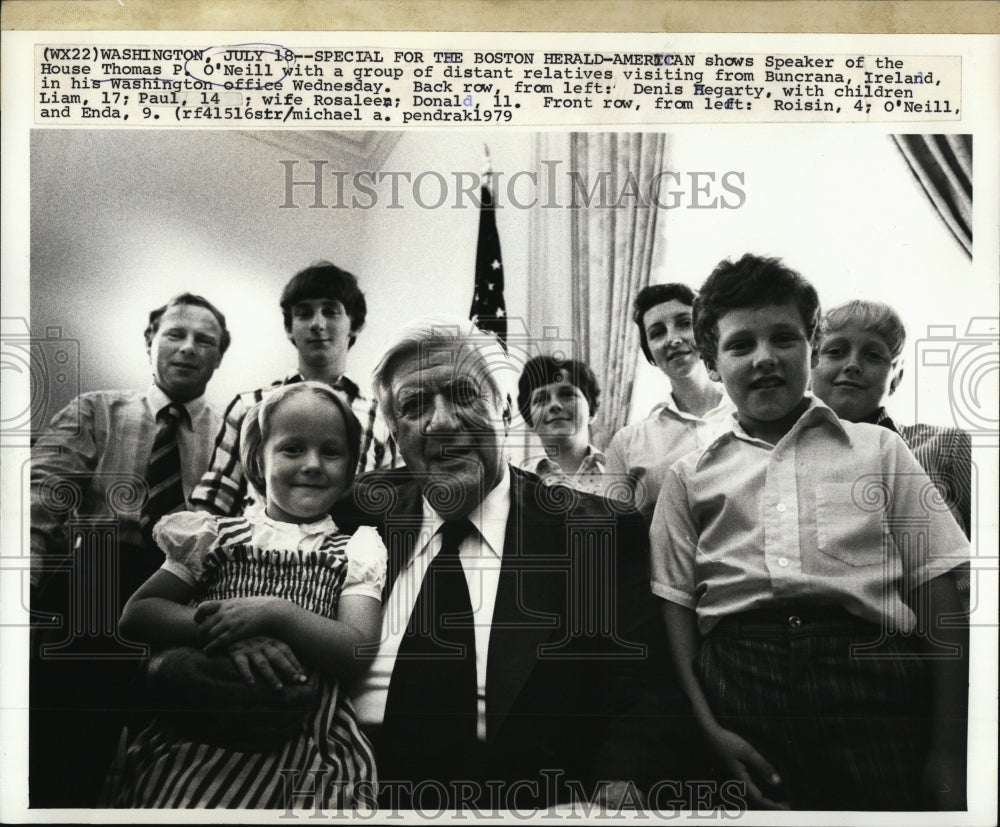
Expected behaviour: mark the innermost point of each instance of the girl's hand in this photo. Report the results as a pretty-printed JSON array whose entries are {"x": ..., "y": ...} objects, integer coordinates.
[
  {"x": 744, "y": 763},
  {"x": 223, "y": 622},
  {"x": 272, "y": 661}
]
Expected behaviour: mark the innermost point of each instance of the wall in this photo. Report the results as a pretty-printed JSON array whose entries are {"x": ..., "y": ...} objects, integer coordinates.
[
  {"x": 846, "y": 213},
  {"x": 123, "y": 220}
]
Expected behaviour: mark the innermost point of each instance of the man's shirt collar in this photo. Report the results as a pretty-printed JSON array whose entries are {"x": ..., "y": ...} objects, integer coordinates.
[
  {"x": 158, "y": 400},
  {"x": 489, "y": 517}
]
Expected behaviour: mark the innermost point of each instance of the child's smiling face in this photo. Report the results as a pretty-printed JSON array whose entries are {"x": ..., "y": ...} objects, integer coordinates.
[
  {"x": 306, "y": 458},
  {"x": 855, "y": 372},
  {"x": 763, "y": 360},
  {"x": 559, "y": 409}
]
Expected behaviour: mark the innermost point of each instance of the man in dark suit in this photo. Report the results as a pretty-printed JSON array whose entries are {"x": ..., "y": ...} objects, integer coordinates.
[{"x": 522, "y": 660}]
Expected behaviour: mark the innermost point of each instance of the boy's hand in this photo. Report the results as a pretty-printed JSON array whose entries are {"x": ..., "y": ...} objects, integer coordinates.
[
  {"x": 272, "y": 661},
  {"x": 744, "y": 763},
  {"x": 943, "y": 782},
  {"x": 223, "y": 622}
]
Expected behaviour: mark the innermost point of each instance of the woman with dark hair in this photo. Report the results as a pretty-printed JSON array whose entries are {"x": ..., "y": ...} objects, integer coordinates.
[
  {"x": 558, "y": 399},
  {"x": 693, "y": 414}
]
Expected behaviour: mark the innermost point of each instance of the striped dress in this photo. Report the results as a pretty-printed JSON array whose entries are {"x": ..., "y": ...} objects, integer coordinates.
[{"x": 311, "y": 565}]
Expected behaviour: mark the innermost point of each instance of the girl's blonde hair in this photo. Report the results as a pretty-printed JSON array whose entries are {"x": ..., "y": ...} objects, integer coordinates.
[{"x": 257, "y": 422}]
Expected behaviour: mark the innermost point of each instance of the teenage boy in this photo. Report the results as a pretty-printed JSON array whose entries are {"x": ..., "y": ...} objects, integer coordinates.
[
  {"x": 795, "y": 562},
  {"x": 324, "y": 311}
]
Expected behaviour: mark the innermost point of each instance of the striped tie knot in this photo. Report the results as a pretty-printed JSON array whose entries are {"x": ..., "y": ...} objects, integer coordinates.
[
  {"x": 171, "y": 415},
  {"x": 163, "y": 474}
]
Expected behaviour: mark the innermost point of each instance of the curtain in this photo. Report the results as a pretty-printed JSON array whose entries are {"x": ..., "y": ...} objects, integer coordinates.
[
  {"x": 943, "y": 166},
  {"x": 613, "y": 230}
]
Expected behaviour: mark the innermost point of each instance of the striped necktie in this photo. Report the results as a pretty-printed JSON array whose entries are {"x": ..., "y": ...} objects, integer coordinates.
[{"x": 163, "y": 474}]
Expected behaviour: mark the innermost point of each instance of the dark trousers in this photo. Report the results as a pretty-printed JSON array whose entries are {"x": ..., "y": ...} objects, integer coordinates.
[
  {"x": 419, "y": 767},
  {"x": 842, "y": 721},
  {"x": 84, "y": 679},
  {"x": 78, "y": 710}
]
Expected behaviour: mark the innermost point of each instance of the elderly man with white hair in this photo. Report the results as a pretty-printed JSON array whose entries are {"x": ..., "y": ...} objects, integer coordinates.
[{"x": 521, "y": 662}]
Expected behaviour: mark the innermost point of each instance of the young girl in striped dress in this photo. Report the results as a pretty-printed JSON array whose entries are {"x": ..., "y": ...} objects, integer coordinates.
[{"x": 285, "y": 573}]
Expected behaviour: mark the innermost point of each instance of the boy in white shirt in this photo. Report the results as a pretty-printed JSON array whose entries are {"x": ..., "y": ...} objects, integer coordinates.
[{"x": 800, "y": 577}]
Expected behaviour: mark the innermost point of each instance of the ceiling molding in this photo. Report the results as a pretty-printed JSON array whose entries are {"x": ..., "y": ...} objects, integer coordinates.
[{"x": 352, "y": 150}]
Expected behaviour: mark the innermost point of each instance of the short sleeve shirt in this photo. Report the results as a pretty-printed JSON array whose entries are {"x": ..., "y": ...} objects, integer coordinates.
[
  {"x": 648, "y": 448},
  {"x": 835, "y": 513}
]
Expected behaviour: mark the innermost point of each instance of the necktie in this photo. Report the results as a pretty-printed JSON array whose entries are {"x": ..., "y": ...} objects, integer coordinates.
[
  {"x": 431, "y": 707},
  {"x": 163, "y": 474}
]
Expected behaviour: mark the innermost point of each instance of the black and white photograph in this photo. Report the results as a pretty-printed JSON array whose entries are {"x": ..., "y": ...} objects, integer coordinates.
[{"x": 658, "y": 474}]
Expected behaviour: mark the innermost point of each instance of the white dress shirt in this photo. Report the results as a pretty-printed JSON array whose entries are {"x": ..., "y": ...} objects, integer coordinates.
[
  {"x": 836, "y": 513},
  {"x": 481, "y": 554},
  {"x": 648, "y": 448}
]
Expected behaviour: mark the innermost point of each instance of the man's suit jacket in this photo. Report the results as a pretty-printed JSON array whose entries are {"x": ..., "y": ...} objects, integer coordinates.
[{"x": 578, "y": 686}]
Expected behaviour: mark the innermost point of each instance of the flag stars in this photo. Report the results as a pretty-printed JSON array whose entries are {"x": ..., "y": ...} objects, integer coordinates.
[{"x": 495, "y": 265}]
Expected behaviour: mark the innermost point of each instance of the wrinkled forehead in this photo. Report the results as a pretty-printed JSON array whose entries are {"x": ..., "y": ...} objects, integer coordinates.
[
  {"x": 439, "y": 363},
  {"x": 189, "y": 316}
]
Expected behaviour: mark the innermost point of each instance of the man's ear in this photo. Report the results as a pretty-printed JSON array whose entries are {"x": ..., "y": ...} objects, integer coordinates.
[
  {"x": 896, "y": 379},
  {"x": 814, "y": 359},
  {"x": 714, "y": 375},
  {"x": 508, "y": 416}
]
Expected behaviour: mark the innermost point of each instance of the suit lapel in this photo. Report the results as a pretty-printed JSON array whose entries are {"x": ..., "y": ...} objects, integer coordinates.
[
  {"x": 530, "y": 602},
  {"x": 402, "y": 527},
  {"x": 390, "y": 500}
]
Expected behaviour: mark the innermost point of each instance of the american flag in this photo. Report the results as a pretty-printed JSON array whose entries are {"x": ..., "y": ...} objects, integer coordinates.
[{"x": 489, "y": 312}]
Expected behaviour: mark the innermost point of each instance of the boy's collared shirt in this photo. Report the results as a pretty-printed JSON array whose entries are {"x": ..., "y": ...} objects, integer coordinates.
[{"x": 835, "y": 513}]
